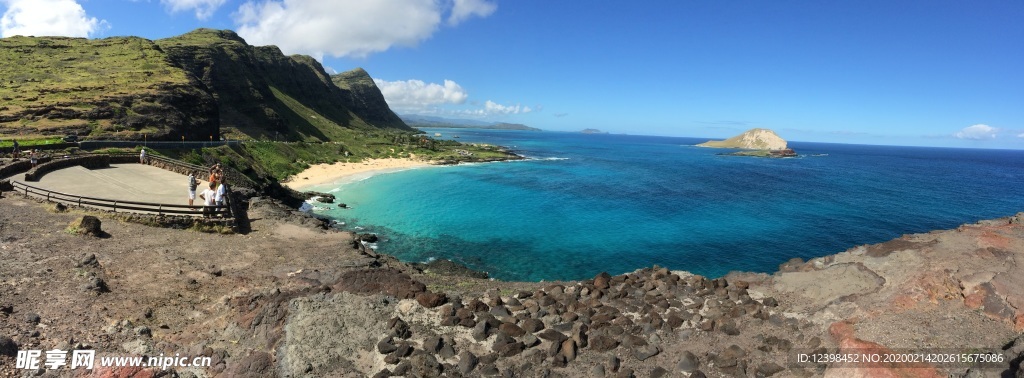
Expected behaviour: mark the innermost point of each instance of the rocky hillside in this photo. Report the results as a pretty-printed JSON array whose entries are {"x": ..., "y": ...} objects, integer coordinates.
[
  {"x": 198, "y": 85},
  {"x": 753, "y": 139},
  {"x": 113, "y": 88},
  {"x": 291, "y": 299}
]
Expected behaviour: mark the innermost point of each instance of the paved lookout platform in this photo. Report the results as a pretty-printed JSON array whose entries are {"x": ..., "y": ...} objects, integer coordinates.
[{"x": 127, "y": 182}]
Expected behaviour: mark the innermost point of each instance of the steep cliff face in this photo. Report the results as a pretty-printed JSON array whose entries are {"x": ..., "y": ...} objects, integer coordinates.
[
  {"x": 365, "y": 99},
  {"x": 264, "y": 94},
  {"x": 198, "y": 85},
  {"x": 113, "y": 88},
  {"x": 753, "y": 139}
]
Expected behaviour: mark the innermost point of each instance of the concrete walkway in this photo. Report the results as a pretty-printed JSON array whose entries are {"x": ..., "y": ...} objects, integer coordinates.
[{"x": 127, "y": 182}]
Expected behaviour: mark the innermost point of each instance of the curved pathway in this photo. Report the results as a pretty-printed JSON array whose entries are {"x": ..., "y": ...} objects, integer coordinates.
[{"x": 126, "y": 182}]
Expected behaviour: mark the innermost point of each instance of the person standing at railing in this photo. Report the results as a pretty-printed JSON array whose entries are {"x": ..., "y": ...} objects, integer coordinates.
[
  {"x": 209, "y": 200},
  {"x": 142, "y": 156},
  {"x": 33, "y": 158},
  {"x": 192, "y": 185}
]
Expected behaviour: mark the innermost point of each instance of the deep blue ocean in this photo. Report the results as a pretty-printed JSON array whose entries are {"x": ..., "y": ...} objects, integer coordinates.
[{"x": 587, "y": 203}]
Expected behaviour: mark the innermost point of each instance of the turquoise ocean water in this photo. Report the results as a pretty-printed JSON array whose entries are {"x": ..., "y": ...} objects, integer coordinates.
[{"x": 584, "y": 204}]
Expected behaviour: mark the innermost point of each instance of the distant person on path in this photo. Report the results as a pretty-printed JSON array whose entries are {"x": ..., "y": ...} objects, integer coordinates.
[
  {"x": 142, "y": 156},
  {"x": 17, "y": 150},
  {"x": 209, "y": 199},
  {"x": 33, "y": 158},
  {"x": 192, "y": 184}
]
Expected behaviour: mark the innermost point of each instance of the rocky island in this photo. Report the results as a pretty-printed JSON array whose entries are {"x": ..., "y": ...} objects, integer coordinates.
[{"x": 756, "y": 142}]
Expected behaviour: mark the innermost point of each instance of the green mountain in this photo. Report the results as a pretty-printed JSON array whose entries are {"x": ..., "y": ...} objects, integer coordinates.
[{"x": 202, "y": 84}]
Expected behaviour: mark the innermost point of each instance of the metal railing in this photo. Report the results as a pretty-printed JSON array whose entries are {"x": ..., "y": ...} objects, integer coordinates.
[{"x": 115, "y": 205}]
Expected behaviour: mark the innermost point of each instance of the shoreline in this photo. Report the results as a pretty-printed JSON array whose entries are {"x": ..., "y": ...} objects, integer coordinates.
[{"x": 343, "y": 173}]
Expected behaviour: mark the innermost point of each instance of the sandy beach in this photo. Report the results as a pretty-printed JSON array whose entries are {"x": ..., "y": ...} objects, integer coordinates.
[{"x": 340, "y": 173}]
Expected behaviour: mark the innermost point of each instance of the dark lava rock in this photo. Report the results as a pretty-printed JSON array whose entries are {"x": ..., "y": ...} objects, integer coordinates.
[
  {"x": 8, "y": 347},
  {"x": 447, "y": 351},
  {"x": 530, "y": 340},
  {"x": 552, "y": 335},
  {"x": 388, "y": 281},
  {"x": 532, "y": 325},
  {"x": 403, "y": 350},
  {"x": 467, "y": 362},
  {"x": 601, "y": 281},
  {"x": 425, "y": 365},
  {"x": 511, "y": 349},
  {"x": 730, "y": 356},
  {"x": 489, "y": 370},
  {"x": 658, "y": 372},
  {"x": 602, "y": 343},
  {"x": 688, "y": 363},
  {"x": 402, "y": 369},
  {"x": 87, "y": 225},
  {"x": 432, "y": 344},
  {"x": 431, "y": 299},
  {"x": 89, "y": 261},
  {"x": 646, "y": 351},
  {"x": 480, "y": 331},
  {"x": 728, "y": 327},
  {"x": 500, "y": 340},
  {"x": 500, "y": 311},
  {"x": 769, "y": 369},
  {"x": 384, "y": 346},
  {"x": 97, "y": 285},
  {"x": 143, "y": 331},
  {"x": 770, "y": 302},
  {"x": 32, "y": 318},
  {"x": 400, "y": 328},
  {"x": 569, "y": 350},
  {"x": 511, "y": 329}
]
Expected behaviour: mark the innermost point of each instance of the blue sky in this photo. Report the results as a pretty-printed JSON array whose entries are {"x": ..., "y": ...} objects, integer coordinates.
[{"x": 933, "y": 73}]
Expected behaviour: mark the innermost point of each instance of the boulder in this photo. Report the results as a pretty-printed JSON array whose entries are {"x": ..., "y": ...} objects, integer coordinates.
[
  {"x": 467, "y": 362},
  {"x": 645, "y": 351},
  {"x": 425, "y": 365},
  {"x": 688, "y": 363},
  {"x": 8, "y": 347},
  {"x": 431, "y": 299},
  {"x": 86, "y": 225}
]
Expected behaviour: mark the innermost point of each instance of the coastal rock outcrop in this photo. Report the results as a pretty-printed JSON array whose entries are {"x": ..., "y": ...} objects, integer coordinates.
[{"x": 753, "y": 139}]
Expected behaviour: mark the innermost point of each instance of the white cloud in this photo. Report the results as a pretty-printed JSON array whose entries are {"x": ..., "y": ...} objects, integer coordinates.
[
  {"x": 415, "y": 95},
  {"x": 490, "y": 107},
  {"x": 64, "y": 18},
  {"x": 977, "y": 132},
  {"x": 203, "y": 8},
  {"x": 465, "y": 9},
  {"x": 353, "y": 28},
  {"x": 418, "y": 97}
]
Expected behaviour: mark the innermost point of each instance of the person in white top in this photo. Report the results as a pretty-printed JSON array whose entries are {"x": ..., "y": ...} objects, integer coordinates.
[
  {"x": 208, "y": 195},
  {"x": 142, "y": 156},
  {"x": 221, "y": 192}
]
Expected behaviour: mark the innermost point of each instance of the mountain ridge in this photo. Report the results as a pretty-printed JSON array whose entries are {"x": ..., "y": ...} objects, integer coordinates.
[{"x": 200, "y": 85}]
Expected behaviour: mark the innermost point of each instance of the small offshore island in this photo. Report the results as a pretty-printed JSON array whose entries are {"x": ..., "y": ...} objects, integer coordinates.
[{"x": 755, "y": 142}]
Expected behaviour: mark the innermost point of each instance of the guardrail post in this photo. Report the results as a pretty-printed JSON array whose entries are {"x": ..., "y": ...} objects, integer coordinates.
[{"x": 160, "y": 210}]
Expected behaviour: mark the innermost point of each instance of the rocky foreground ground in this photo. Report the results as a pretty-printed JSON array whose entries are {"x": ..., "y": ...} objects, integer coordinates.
[{"x": 293, "y": 300}]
